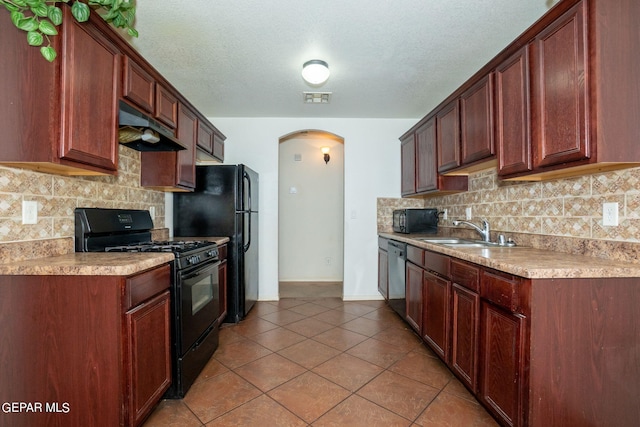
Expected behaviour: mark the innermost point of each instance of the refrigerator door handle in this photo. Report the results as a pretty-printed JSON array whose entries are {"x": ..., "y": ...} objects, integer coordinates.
[
  {"x": 247, "y": 178},
  {"x": 246, "y": 246}
]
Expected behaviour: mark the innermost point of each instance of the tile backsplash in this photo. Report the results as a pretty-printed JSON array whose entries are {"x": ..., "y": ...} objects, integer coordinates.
[
  {"x": 57, "y": 196},
  {"x": 569, "y": 209}
]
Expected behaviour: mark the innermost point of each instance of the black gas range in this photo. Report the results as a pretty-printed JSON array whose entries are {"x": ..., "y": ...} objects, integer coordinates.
[{"x": 195, "y": 290}]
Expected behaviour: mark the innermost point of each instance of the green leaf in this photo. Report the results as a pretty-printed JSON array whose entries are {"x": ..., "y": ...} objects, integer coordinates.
[
  {"x": 47, "y": 28},
  {"x": 55, "y": 15},
  {"x": 11, "y": 7},
  {"x": 41, "y": 10},
  {"x": 34, "y": 38},
  {"x": 17, "y": 17},
  {"x": 132, "y": 32},
  {"x": 28, "y": 24},
  {"x": 48, "y": 52},
  {"x": 80, "y": 11},
  {"x": 20, "y": 3}
]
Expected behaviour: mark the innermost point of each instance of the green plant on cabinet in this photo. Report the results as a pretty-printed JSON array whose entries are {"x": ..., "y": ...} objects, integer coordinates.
[{"x": 39, "y": 18}]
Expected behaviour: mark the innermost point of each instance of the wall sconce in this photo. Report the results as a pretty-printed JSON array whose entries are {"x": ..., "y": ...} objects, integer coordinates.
[
  {"x": 325, "y": 151},
  {"x": 315, "y": 72}
]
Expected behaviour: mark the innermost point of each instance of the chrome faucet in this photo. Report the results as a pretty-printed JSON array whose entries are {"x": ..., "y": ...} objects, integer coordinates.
[{"x": 484, "y": 231}]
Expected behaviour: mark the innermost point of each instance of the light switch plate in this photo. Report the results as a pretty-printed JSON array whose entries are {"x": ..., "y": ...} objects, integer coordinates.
[
  {"x": 29, "y": 212},
  {"x": 610, "y": 214},
  {"x": 467, "y": 213}
]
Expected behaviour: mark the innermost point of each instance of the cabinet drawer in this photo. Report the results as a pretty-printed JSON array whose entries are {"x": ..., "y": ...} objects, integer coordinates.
[
  {"x": 436, "y": 262},
  {"x": 145, "y": 285},
  {"x": 465, "y": 275},
  {"x": 415, "y": 255},
  {"x": 501, "y": 289}
]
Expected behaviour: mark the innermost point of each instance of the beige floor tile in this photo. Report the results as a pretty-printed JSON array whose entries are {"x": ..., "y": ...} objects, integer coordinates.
[
  {"x": 362, "y": 366},
  {"x": 358, "y": 412},
  {"x": 309, "y": 396},
  {"x": 270, "y": 371},
  {"x": 399, "y": 394}
]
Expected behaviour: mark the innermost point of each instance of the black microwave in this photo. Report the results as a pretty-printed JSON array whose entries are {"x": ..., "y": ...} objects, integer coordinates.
[{"x": 415, "y": 221}]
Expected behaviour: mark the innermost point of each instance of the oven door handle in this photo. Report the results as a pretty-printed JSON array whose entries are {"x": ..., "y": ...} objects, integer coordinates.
[{"x": 199, "y": 270}]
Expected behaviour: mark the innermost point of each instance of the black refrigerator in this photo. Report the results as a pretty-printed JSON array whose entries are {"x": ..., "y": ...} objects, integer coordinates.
[{"x": 225, "y": 204}]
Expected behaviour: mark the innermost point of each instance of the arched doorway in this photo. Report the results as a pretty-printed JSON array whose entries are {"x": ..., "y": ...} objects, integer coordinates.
[{"x": 310, "y": 214}]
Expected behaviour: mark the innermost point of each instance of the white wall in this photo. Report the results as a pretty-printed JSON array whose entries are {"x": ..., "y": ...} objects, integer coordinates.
[
  {"x": 311, "y": 209},
  {"x": 371, "y": 170}
]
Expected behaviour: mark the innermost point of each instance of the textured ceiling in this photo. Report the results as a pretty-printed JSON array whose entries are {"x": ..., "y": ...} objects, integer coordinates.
[{"x": 388, "y": 59}]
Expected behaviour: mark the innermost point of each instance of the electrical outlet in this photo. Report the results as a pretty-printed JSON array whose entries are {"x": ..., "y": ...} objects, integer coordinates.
[
  {"x": 467, "y": 213},
  {"x": 610, "y": 214},
  {"x": 152, "y": 212},
  {"x": 29, "y": 212},
  {"x": 445, "y": 214},
  {"x": 327, "y": 261}
]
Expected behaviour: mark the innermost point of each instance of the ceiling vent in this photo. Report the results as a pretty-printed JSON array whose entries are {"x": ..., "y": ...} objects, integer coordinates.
[{"x": 316, "y": 97}]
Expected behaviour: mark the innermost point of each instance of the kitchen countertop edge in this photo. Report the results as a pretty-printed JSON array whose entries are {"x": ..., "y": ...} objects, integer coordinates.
[
  {"x": 88, "y": 264},
  {"x": 528, "y": 262}
]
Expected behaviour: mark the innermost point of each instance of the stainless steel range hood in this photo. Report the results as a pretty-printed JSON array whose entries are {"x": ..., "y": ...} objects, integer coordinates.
[{"x": 140, "y": 132}]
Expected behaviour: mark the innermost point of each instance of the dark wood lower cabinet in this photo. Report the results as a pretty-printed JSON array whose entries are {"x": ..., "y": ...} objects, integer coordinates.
[
  {"x": 92, "y": 350},
  {"x": 148, "y": 338},
  {"x": 435, "y": 323},
  {"x": 414, "y": 283},
  {"x": 536, "y": 352},
  {"x": 502, "y": 363},
  {"x": 465, "y": 316}
]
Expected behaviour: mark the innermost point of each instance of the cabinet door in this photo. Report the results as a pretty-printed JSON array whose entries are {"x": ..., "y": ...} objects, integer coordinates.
[
  {"x": 383, "y": 273},
  {"x": 187, "y": 133},
  {"x": 476, "y": 121},
  {"x": 205, "y": 137},
  {"x": 414, "y": 296},
  {"x": 464, "y": 334},
  {"x": 560, "y": 91},
  {"x": 218, "y": 147},
  {"x": 448, "y": 137},
  {"x": 91, "y": 76},
  {"x": 426, "y": 169},
  {"x": 435, "y": 323},
  {"x": 166, "y": 107},
  {"x": 139, "y": 86},
  {"x": 408, "y": 165},
  {"x": 502, "y": 365},
  {"x": 513, "y": 114},
  {"x": 148, "y": 356}
]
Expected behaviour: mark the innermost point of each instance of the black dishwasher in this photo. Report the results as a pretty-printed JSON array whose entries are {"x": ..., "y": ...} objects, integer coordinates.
[{"x": 397, "y": 262}]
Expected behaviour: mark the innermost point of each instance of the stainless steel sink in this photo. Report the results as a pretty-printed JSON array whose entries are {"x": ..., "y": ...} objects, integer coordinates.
[
  {"x": 465, "y": 243},
  {"x": 444, "y": 240}
]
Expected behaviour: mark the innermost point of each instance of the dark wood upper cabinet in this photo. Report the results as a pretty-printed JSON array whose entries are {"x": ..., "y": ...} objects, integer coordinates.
[
  {"x": 560, "y": 84},
  {"x": 408, "y": 164},
  {"x": 166, "y": 106},
  {"x": 420, "y": 175},
  {"x": 61, "y": 117},
  {"x": 476, "y": 122},
  {"x": 448, "y": 136},
  {"x": 426, "y": 171},
  {"x": 173, "y": 171},
  {"x": 139, "y": 85},
  {"x": 210, "y": 141},
  {"x": 513, "y": 114}
]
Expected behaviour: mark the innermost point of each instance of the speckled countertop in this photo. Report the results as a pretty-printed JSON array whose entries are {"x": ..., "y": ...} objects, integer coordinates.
[
  {"x": 217, "y": 240},
  {"x": 87, "y": 264},
  {"x": 529, "y": 262}
]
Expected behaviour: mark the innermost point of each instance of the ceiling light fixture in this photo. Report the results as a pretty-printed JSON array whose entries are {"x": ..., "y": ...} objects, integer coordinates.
[{"x": 315, "y": 71}]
